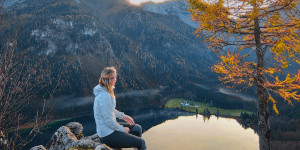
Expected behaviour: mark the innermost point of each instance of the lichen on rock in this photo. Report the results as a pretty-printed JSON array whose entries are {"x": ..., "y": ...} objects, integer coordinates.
[{"x": 76, "y": 128}]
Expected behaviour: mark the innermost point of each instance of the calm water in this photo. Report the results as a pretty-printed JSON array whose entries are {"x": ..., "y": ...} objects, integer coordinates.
[
  {"x": 190, "y": 133},
  {"x": 172, "y": 129}
]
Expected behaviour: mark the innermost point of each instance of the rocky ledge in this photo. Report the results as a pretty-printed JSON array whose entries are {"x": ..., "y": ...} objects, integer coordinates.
[{"x": 70, "y": 137}]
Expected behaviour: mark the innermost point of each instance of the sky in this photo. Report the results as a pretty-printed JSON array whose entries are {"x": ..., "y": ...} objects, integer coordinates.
[{"x": 138, "y": 2}]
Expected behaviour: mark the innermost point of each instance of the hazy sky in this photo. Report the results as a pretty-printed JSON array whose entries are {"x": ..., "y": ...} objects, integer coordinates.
[{"x": 137, "y": 2}]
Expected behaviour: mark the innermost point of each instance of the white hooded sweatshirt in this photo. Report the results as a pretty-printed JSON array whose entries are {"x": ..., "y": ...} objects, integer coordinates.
[{"x": 105, "y": 113}]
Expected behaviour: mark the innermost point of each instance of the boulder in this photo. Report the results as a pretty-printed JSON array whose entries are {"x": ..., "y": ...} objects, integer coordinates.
[
  {"x": 94, "y": 137},
  {"x": 39, "y": 147},
  {"x": 76, "y": 128},
  {"x": 63, "y": 138},
  {"x": 71, "y": 137},
  {"x": 102, "y": 147},
  {"x": 85, "y": 144}
]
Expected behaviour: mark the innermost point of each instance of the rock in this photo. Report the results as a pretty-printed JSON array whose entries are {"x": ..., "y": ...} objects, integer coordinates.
[
  {"x": 94, "y": 137},
  {"x": 66, "y": 137},
  {"x": 85, "y": 143},
  {"x": 63, "y": 138},
  {"x": 76, "y": 128},
  {"x": 40, "y": 147},
  {"x": 89, "y": 144},
  {"x": 102, "y": 147}
]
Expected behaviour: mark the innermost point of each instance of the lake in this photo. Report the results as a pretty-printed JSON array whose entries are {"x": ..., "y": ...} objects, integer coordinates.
[
  {"x": 189, "y": 132},
  {"x": 171, "y": 129}
]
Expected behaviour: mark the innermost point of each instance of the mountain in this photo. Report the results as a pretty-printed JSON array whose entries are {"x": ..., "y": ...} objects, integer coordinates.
[
  {"x": 174, "y": 7},
  {"x": 148, "y": 49}
]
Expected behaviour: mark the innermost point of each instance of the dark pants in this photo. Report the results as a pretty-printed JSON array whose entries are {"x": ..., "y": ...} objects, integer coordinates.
[{"x": 125, "y": 140}]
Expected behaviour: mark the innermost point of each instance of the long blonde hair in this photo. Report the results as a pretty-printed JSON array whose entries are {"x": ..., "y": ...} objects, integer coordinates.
[{"x": 105, "y": 79}]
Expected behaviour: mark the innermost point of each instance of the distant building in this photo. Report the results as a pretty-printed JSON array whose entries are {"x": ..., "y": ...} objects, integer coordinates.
[{"x": 184, "y": 103}]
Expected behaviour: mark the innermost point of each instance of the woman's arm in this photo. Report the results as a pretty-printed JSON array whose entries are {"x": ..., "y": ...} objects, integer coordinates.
[
  {"x": 119, "y": 114},
  {"x": 126, "y": 118}
]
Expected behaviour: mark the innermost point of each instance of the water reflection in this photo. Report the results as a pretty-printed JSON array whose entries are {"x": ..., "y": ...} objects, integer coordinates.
[
  {"x": 147, "y": 118},
  {"x": 187, "y": 132},
  {"x": 173, "y": 129}
]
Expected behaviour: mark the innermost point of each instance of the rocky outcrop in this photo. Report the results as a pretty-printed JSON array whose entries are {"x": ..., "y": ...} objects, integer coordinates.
[
  {"x": 86, "y": 143},
  {"x": 76, "y": 129},
  {"x": 40, "y": 147},
  {"x": 70, "y": 136},
  {"x": 63, "y": 138}
]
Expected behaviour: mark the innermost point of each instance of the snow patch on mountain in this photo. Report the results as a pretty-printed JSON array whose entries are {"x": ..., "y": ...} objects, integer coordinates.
[
  {"x": 72, "y": 48},
  {"x": 62, "y": 24},
  {"x": 41, "y": 34},
  {"x": 88, "y": 31},
  {"x": 77, "y": 1},
  {"x": 8, "y": 3},
  {"x": 167, "y": 44},
  {"x": 51, "y": 48},
  {"x": 176, "y": 7}
]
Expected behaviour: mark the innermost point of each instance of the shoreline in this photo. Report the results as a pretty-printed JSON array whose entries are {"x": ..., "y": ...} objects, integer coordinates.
[
  {"x": 188, "y": 109},
  {"x": 203, "y": 109}
]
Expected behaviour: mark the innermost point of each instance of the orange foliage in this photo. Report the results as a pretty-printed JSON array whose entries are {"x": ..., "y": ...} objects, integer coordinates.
[
  {"x": 267, "y": 26},
  {"x": 235, "y": 70}
]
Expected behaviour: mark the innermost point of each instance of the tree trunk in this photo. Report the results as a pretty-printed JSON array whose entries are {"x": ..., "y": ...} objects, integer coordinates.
[
  {"x": 263, "y": 119},
  {"x": 262, "y": 105}
]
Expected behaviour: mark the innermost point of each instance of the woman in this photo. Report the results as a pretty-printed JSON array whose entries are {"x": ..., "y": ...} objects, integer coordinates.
[{"x": 109, "y": 130}]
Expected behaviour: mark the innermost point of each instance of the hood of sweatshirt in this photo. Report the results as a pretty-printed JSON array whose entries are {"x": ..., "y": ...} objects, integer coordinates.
[{"x": 98, "y": 90}]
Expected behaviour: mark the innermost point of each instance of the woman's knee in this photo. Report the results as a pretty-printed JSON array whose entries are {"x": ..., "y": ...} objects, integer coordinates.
[{"x": 137, "y": 128}]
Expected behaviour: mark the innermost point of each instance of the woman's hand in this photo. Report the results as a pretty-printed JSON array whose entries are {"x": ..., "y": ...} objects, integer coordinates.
[
  {"x": 129, "y": 120},
  {"x": 126, "y": 129}
]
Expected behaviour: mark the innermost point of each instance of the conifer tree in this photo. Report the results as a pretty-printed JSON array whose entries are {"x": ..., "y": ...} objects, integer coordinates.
[{"x": 257, "y": 41}]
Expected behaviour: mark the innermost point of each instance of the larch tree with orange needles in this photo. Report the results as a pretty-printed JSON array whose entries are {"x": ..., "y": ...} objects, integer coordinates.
[{"x": 267, "y": 30}]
